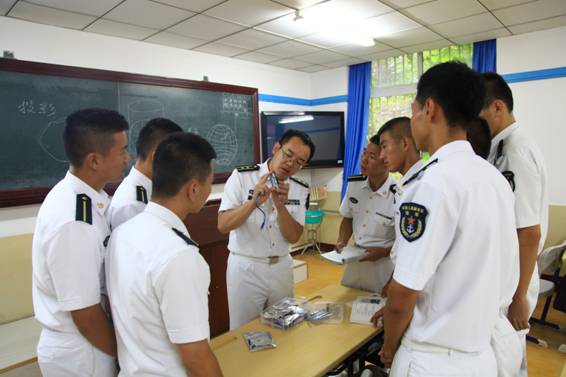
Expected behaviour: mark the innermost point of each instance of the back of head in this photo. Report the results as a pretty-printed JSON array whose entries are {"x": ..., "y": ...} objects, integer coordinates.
[
  {"x": 456, "y": 88},
  {"x": 398, "y": 128},
  {"x": 178, "y": 159},
  {"x": 91, "y": 130},
  {"x": 290, "y": 133},
  {"x": 497, "y": 88},
  {"x": 479, "y": 137},
  {"x": 152, "y": 134}
]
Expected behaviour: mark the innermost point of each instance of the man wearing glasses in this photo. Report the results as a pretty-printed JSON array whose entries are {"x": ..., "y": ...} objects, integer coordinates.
[{"x": 263, "y": 208}]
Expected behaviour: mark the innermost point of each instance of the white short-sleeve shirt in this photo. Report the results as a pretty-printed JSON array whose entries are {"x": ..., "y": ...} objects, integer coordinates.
[
  {"x": 457, "y": 246},
  {"x": 371, "y": 212},
  {"x": 130, "y": 198},
  {"x": 251, "y": 238},
  {"x": 158, "y": 288},
  {"x": 521, "y": 162},
  {"x": 68, "y": 253},
  {"x": 372, "y": 215},
  {"x": 410, "y": 175}
]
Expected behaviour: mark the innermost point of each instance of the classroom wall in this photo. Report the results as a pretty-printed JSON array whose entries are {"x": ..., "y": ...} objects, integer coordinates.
[
  {"x": 54, "y": 45},
  {"x": 539, "y": 109}
]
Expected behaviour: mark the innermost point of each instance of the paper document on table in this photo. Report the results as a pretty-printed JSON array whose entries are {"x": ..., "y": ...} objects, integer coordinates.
[
  {"x": 349, "y": 254},
  {"x": 364, "y": 307}
]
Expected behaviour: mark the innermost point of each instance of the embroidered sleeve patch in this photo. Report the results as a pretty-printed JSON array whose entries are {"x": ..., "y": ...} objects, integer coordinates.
[
  {"x": 353, "y": 200},
  {"x": 510, "y": 177},
  {"x": 413, "y": 221}
]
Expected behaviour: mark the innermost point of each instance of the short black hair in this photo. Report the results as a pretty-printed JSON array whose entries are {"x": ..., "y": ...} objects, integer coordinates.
[
  {"x": 152, "y": 134},
  {"x": 178, "y": 159},
  {"x": 497, "y": 88},
  {"x": 290, "y": 133},
  {"x": 479, "y": 136},
  {"x": 399, "y": 127},
  {"x": 91, "y": 130},
  {"x": 456, "y": 88}
]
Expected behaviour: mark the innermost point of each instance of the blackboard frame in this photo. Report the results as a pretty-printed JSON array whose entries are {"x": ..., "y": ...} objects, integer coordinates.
[{"x": 34, "y": 195}]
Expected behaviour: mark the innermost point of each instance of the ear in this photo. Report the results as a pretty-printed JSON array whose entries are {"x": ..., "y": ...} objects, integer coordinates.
[
  {"x": 430, "y": 108},
  {"x": 499, "y": 106},
  {"x": 404, "y": 143},
  {"x": 191, "y": 189},
  {"x": 275, "y": 148},
  {"x": 92, "y": 161}
]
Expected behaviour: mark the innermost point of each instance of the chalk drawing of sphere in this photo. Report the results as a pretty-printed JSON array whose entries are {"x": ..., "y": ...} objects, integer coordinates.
[{"x": 224, "y": 141}]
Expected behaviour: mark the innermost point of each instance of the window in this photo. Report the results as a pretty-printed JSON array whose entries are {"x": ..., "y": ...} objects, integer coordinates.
[{"x": 394, "y": 81}]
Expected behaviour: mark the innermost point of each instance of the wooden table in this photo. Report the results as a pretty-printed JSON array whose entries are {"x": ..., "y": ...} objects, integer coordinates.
[{"x": 305, "y": 350}]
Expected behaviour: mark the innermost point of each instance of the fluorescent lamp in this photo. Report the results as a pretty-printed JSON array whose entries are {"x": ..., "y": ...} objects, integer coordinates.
[{"x": 296, "y": 119}]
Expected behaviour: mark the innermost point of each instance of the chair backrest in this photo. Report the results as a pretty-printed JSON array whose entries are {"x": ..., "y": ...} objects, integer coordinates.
[{"x": 549, "y": 259}]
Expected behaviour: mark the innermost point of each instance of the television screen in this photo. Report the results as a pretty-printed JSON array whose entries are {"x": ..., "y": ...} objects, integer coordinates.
[{"x": 325, "y": 128}]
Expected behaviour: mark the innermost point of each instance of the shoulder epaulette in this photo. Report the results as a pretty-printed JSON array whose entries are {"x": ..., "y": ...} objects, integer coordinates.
[
  {"x": 358, "y": 177},
  {"x": 84, "y": 209},
  {"x": 245, "y": 168},
  {"x": 418, "y": 173},
  {"x": 141, "y": 194},
  {"x": 185, "y": 238},
  {"x": 304, "y": 184}
]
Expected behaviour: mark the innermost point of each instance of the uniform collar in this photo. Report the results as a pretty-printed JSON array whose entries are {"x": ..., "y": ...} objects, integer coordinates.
[
  {"x": 502, "y": 136},
  {"x": 138, "y": 176},
  {"x": 99, "y": 199},
  {"x": 167, "y": 216},
  {"x": 383, "y": 190},
  {"x": 264, "y": 168},
  {"x": 412, "y": 170},
  {"x": 451, "y": 148}
]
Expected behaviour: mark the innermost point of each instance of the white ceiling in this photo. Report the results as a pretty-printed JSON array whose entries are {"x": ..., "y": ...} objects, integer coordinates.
[{"x": 264, "y": 31}]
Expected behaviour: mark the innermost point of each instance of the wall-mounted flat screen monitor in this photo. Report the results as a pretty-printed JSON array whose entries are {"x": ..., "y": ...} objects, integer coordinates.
[{"x": 325, "y": 128}]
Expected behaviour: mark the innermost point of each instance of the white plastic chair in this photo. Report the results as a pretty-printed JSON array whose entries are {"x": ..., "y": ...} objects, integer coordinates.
[{"x": 549, "y": 263}]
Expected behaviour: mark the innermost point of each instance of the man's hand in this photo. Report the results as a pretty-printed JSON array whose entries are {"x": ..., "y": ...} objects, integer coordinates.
[
  {"x": 374, "y": 254},
  {"x": 280, "y": 194},
  {"x": 519, "y": 313},
  {"x": 340, "y": 245},
  {"x": 376, "y": 318},
  {"x": 261, "y": 191},
  {"x": 386, "y": 355}
]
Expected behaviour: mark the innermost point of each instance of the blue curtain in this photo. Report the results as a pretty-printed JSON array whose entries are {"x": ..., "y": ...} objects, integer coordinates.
[
  {"x": 359, "y": 79},
  {"x": 484, "y": 58}
]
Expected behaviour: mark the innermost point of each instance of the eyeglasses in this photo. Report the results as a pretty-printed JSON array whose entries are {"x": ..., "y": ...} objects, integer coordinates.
[{"x": 288, "y": 156}]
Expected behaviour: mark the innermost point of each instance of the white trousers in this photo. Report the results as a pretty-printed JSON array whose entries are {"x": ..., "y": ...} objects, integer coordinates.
[
  {"x": 71, "y": 355},
  {"x": 532, "y": 298},
  {"x": 413, "y": 361},
  {"x": 368, "y": 276},
  {"x": 253, "y": 285}
]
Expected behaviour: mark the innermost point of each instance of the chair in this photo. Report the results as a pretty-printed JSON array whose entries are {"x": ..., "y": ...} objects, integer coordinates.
[{"x": 549, "y": 265}]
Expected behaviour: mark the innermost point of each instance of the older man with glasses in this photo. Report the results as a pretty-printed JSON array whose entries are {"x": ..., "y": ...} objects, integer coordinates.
[{"x": 263, "y": 208}]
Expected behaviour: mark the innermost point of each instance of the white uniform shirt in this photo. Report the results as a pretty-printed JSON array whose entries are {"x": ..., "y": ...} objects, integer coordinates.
[
  {"x": 522, "y": 164},
  {"x": 371, "y": 213},
  {"x": 130, "y": 198},
  {"x": 68, "y": 253},
  {"x": 373, "y": 226},
  {"x": 158, "y": 285},
  {"x": 455, "y": 229},
  {"x": 398, "y": 192},
  {"x": 250, "y": 239}
]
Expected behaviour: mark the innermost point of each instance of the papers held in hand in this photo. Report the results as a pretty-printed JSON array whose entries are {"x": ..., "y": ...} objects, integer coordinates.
[{"x": 349, "y": 254}]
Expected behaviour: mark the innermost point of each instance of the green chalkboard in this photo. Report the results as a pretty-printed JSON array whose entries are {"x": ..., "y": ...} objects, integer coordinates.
[{"x": 36, "y": 98}]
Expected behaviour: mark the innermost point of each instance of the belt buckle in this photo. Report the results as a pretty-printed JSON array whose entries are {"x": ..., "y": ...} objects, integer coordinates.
[{"x": 273, "y": 259}]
